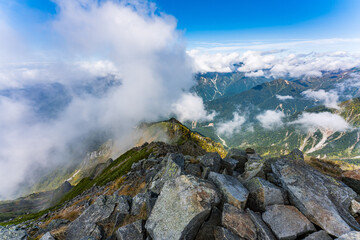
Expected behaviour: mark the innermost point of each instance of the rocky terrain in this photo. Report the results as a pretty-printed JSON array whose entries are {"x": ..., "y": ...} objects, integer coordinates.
[{"x": 181, "y": 191}]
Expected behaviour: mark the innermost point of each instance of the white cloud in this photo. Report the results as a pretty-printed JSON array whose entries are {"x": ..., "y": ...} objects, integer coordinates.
[
  {"x": 230, "y": 127},
  {"x": 190, "y": 107},
  {"x": 284, "y": 98},
  {"x": 271, "y": 119},
  {"x": 275, "y": 64},
  {"x": 94, "y": 42},
  {"x": 323, "y": 120},
  {"x": 329, "y": 99},
  {"x": 219, "y": 62}
]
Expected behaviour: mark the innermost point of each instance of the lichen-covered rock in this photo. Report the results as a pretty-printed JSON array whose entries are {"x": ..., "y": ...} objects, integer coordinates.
[
  {"x": 133, "y": 231},
  {"x": 263, "y": 231},
  {"x": 320, "y": 235},
  {"x": 322, "y": 199},
  {"x": 211, "y": 160},
  {"x": 240, "y": 156},
  {"x": 193, "y": 169},
  {"x": 232, "y": 190},
  {"x": 287, "y": 222},
  {"x": 221, "y": 233},
  {"x": 89, "y": 222},
  {"x": 239, "y": 222},
  {"x": 353, "y": 235},
  {"x": 182, "y": 206},
  {"x": 47, "y": 236},
  {"x": 174, "y": 167},
  {"x": 12, "y": 233},
  {"x": 262, "y": 194}
]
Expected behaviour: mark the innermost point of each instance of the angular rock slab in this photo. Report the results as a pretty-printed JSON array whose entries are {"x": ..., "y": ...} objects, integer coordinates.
[
  {"x": 47, "y": 236},
  {"x": 322, "y": 199},
  {"x": 353, "y": 235},
  {"x": 101, "y": 211},
  {"x": 182, "y": 206},
  {"x": 221, "y": 233},
  {"x": 263, "y": 194},
  {"x": 263, "y": 231},
  {"x": 174, "y": 167},
  {"x": 12, "y": 233},
  {"x": 211, "y": 160},
  {"x": 239, "y": 222},
  {"x": 287, "y": 222},
  {"x": 320, "y": 235},
  {"x": 133, "y": 231},
  {"x": 231, "y": 188}
]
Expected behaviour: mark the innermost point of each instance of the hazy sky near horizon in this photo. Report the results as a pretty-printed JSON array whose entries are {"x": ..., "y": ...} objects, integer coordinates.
[{"x": 214, "y": 23}]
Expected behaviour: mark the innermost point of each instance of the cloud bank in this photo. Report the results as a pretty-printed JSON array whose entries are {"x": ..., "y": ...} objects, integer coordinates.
[
  {"x": 284, "y": 98},
  {"x": 232, "y": 126},
  {"x": 271, "y": 119},
  {"x": 329, "y": 99},
  {"x": 190, "y": 107},
  {"x": 275, "y": 64},
  {"x": 104, "y": 76},
  {"x": 323, "y": 120}
]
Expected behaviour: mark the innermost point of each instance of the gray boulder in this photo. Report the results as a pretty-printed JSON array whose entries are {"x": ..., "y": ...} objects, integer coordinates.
[
  {"x": 262, "y": 194},
  {"x": 239, "y": 222},
  {"x": 104, "y": 210},
  {"x": 133, "y": 231},
  {"x": 12, "y": 233},
  {"x": 181, "y": 208},
  {"x": 221, "y": 233},
  {"x": 263, "y": 231},
  {"x": 287, "y": 222},
  {"x": 211, "y": 160},
  {"x": 322, "y": 199},
  {"x": 174, "y": 167},
  {"x": 320, "y": 235},
  {"x": 229, "y": 164},
  {"x": 353, "y": 235},
  {"x": 138, "y": 203},
  {"x": 47, "y": 236},
  {"x": 232, "y": 190},
  {"x": 206, "y": 231}
]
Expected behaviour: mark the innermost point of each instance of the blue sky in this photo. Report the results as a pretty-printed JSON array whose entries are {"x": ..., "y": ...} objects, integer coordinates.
[{"x": 229, "y": 21}]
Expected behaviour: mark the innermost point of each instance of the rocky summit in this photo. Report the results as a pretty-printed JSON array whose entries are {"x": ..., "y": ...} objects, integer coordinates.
[{"x": 160, "y": 191}]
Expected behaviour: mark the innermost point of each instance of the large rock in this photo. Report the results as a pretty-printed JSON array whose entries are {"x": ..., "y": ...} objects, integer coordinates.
[
  {"x": 104, "y": 210},
  {"x": 263, "y": 231},
  {"x": 262, "y": 194},
  {"x": 182, "y": 206},
  {"x": 206, "y": 231},
  {"x": 240, "y": 156},
  {"x": 322, "y": 199},
  {"x": 287, "y": 222},
  {"x": 320, "y": 235},
  {"x": 133, "y": 231},
  {"x": 174, "y": 167},
  {"x": 221, "y": 233},
  {"x": 12, "y": 233},
  {"x": 352, "y": 179},
  {"x": 47, "y": 236},
  {"x": 353, "y": 235},
  {"x": 138, "y": 203},
  {"x": 211, "y": 160},
  {"x": 239, "y": 222},
  {"x": 232, "y": 190},
  {"x": 229, "y": 164}
]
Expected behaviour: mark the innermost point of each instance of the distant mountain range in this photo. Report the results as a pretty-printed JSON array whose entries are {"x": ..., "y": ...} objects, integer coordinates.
[{"x": 285, "y": 96}]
